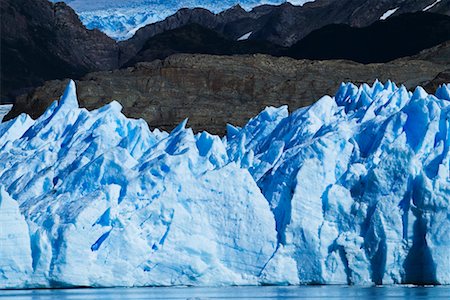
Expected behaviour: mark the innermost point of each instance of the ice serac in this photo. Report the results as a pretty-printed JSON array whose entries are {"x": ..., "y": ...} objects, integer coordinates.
[
  {"x": 358, "y": 184},
  {"x": 15, "y": 258},
  {"x": 353, "y": 189},
  {"x": 104, "y": 201}
]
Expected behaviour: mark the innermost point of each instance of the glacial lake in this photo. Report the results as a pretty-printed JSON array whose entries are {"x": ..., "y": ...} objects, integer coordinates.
[{"x": 269, "y": 292}]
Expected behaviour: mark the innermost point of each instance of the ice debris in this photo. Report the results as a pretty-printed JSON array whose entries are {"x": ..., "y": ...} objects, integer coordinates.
[{"x": 353, "y": 189}]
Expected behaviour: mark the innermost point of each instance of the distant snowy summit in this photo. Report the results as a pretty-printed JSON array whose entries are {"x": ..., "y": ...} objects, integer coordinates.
[
  {"x": 353, "y": 189},
  {"x": 121, "y": 19},
  {"x": 285, "y": 22}
]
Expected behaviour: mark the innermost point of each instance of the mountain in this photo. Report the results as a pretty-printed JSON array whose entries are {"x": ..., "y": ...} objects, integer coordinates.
[
  {"x": 120, "y": 19},
  {"x": 350, "y": 190},
  {"x": 42, "y": 41},
  {"x": 400, "y": 36},
  {"x": 214, "y": 90},
  {"x": 194, "y": 38},
  {"x": 383, "y": 41},
  {"x": 283, "y": 25}
]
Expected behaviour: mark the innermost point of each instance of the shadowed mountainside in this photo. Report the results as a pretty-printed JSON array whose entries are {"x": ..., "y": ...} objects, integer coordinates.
[
  {"x": 196, "y": 39},
  {"x": 282, "y": 25},
  {"x": 41, "y": 41},
  {"x": 382, "y": 41}
]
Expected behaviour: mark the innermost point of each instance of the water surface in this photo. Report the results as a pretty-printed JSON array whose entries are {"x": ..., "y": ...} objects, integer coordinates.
[{"x": 302, "y": 292}]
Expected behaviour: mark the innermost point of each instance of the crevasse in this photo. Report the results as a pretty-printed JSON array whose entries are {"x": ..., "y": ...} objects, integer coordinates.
[{"x": 353, "y": 189}]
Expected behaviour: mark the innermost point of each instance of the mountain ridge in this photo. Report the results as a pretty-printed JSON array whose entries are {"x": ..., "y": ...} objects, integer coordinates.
[
  {"x": 42, "y": 41},
  {"x": 120, "y": 19},
  {"x": 212, "y": 90},
  {"x": 382, "y": 41},
  {"x": 283, "y": 25}
]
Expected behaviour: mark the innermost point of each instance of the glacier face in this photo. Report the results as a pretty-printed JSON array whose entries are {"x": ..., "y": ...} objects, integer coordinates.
[
  {"x": 354, "y": 189},
  {"x": 359, "y": 184},
  {"x": 110, "y": 203},
  {"x": 121, "y": 19}
]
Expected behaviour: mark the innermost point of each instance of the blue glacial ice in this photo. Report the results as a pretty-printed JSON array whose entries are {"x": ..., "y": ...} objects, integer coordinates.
[{"x": 353, "y": 189}]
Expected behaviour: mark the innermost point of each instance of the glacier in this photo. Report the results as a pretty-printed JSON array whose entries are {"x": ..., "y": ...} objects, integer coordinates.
[
  {"x": 121, "y": 19},
  {"x": 353, "y": 189}
]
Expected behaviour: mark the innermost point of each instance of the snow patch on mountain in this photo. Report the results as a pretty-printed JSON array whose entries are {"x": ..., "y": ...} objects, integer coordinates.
[
  {"x": 389, "y": 13},
  {"x": 431, "y": 5},
  {"x": 353, "y": 189},
  {"x": 245, "y": 36}
]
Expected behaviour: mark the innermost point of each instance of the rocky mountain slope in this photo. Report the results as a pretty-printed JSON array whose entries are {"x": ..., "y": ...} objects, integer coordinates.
[
  {"x": 283, "y": 25},
  {"x": 42, "y": 41},
  {"x": 196, "y": 39},
  {"x": 382, "y": 41},
  {"x": 213, "y": 90}
]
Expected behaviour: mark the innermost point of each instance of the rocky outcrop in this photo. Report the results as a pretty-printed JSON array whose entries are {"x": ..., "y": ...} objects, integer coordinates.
[
  {"x": 213, "y": 90},
  {"x": 42, "y": 41}
]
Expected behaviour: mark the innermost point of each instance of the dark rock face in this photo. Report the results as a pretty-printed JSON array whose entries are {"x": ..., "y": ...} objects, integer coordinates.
[
  {"x": 197, "y": 39},
  {"x": 288, "y": 24},
  {"x": 383, "y": 41},
  {"x": 283, "y": 25},
  {"x": 183, "y": 17},
  {"x": 41, "y": 41},
  {"x": 213, "y": 90}
]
